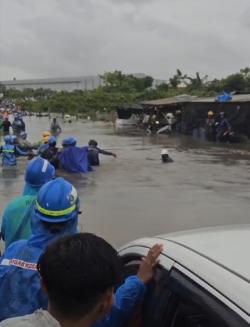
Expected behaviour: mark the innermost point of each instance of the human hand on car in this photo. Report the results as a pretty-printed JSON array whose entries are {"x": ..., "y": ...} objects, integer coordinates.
[{"x": 146, "y": 269}]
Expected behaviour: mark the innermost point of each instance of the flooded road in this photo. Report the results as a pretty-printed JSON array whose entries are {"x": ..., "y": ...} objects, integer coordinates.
[{"x": 136, "y": 195}]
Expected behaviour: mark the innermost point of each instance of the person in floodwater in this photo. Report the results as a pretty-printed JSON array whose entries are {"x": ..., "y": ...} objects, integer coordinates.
[
  {"x": 17, "y": 215},
  {"x": 23, "y": 143},
  {"x": 55, "y": 214},
  {"x": 165, "y": 158},
  {"x": 43, "y": 144},
  {"x": 223, "y": 128},
  {"x": 18, "y": 125},
  {"x": 51, "y": 153},
  {"x": 210, "y": 126},
  {"x": 55, "y": 128},
  {"x": 72, "y": 158},
  {"x": 10, "y": 151},
  {"x": 93, "y": 153},
  {"x": 6, "y": 126}
]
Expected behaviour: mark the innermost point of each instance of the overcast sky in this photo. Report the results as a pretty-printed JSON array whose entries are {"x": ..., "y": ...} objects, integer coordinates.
[{"x": 53, "y": 38}]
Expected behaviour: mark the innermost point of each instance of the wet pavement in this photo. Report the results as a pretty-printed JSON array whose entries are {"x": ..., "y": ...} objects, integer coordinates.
[{"x": 136, "y": 195}]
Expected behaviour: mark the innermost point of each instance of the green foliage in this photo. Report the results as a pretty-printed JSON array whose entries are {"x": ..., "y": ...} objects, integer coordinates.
[
  {"x": 121, "y": 89},
  {"x": 119, "y": 82},
  {"x": 234, "y": 82}
]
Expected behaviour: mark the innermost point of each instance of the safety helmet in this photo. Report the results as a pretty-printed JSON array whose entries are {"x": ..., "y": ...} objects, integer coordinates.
[
  {"x": 69, "y": 141},
  {"x": 8, "y": 139},
  {"x": 52, "y": 141},
  {"x": 93, "y": 143},
  {"x": 38, "y": 172},
  {"x": 164, "y": 151},
  {"x": 13, "y": 138},
  {"x": 210, "y": 113},
  {"x": 23, "y": 135},
  {"x": 46, "y": 136},
  {"x": 46, "y": 133},
  {"x": 57, "y": 201}
]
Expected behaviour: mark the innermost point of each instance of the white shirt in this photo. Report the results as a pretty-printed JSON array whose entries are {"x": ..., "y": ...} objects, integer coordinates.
[{"x": 39, "y": 318}]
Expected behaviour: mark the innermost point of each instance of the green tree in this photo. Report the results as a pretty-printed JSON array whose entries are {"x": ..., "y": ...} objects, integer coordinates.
[
  {"x": 234, "y": 82},
  {"x": 177, "y": 79}
]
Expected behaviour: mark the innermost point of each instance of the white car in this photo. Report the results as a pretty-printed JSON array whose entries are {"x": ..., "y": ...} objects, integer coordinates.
[{"x": 202, "y": 280}]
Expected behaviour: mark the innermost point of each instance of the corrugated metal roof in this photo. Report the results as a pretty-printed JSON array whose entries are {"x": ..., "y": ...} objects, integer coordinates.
[
  {"x": 165, "y": 101},
  {"x": 186, "y": 98}
]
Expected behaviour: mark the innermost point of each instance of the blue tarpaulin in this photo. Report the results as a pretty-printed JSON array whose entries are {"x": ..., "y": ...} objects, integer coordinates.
[{"x": 226, "y": 97}]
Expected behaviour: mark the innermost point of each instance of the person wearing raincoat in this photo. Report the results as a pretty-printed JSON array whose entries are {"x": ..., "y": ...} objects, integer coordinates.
[
  {"x": 10, "y": 151},
  {"x": 72, "y": 158},
  {"x": 55, "y": 214},
  {"x": 17, "y": 214},
  {"x": 18, "y": 125}
]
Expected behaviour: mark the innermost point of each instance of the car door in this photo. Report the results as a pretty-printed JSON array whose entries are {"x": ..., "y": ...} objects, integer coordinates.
[
  {"x": 177, "y": 298},
  {"x": 197, "y": 304}
]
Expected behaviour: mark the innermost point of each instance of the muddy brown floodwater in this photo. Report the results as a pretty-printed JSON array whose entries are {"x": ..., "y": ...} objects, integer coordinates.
[{"x": 136, "y": 195}]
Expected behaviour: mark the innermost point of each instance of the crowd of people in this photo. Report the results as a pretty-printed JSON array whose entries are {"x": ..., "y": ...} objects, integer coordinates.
[
  {"x": 69, "y": 157},
  {"x": 216, "y": 128},
  {"x": 52, "y": 275}
]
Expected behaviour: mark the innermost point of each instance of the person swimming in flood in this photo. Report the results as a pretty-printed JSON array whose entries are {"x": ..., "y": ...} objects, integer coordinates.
[
  {"x": 93, "y": 153},
  {"x": 165, "y": 158}
]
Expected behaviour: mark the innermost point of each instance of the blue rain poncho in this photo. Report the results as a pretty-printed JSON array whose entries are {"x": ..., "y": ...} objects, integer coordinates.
[
  {"x": 126, "y": 299},
  {"x": 9, "y": 154},
  {"x": 74, "y": 159},
  {"x": 20, "y": 284}
]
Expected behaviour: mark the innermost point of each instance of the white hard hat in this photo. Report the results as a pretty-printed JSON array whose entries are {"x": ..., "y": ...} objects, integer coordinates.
[{"x": 164, "y": 151}]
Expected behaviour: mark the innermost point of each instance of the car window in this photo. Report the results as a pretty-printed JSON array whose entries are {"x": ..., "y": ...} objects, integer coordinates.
[
  {"x": 156, "y": 305},
  {"x": 196, "y": 307}
]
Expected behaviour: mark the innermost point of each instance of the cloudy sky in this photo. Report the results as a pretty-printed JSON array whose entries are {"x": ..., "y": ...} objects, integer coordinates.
[{"x": 52, "y": 38}]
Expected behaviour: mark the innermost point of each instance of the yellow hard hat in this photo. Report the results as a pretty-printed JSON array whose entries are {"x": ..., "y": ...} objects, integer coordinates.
[
  {"x": 46, "y": 136},
  {"x": 46, "y": 133},
  {"x": 210, "y": 113},
  {"x": 46, "y": 139}
]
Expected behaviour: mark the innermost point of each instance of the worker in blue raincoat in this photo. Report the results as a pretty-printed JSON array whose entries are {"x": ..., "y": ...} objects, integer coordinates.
[
  {"x": 17, "y": 215},
  {"x": 72, "y": 158},
  {"x": 10, "y": 151},
  {"x": 56, "y": 214},
  {"x": 18, "y": 125},
  {"x": 223, "y": 128}
]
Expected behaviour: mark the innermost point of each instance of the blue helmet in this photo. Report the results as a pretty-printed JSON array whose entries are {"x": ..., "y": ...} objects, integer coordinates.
[
  {"x": 69, "y": 141},
  {"x": 57, "y": 201},
  {"x": 23, "y": 135},
  {"x": 8, "y": 139},
  {"x": 52, "y": 141},
  {"x": 38, "y": 172}
]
